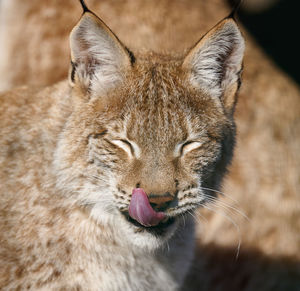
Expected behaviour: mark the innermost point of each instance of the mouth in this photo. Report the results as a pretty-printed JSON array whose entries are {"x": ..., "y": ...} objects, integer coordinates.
[
  {"x": 144, "y": 216},
  {"x": 158, "y": 229}
]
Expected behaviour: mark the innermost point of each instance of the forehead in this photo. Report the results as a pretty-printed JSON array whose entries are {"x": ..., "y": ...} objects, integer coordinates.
[{"x": 158, "y": 106}]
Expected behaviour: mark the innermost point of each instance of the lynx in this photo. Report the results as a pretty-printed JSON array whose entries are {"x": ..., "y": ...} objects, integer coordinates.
[
  {"x": 100, "y": 175},
  {"x": 263, "y": 181}
]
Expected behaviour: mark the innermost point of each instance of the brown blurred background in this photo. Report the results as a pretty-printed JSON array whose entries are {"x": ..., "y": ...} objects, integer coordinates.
[{"x": 264, "y": 177}]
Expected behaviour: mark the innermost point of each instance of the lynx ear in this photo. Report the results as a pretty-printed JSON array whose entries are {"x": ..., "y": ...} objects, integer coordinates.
[
  {"x": 99, "y": 59},
  {"x": 214, "y": 64}
]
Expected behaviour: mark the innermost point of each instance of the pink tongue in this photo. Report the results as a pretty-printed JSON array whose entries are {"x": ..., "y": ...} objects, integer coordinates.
[{"x": 141, "y": 210}]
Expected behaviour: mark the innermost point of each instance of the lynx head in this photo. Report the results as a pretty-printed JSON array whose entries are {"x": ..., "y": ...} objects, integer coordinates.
[{"x": 148, "y": 134}]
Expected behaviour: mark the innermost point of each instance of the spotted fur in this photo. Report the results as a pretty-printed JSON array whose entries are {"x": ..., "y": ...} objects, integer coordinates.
[{"x": 72, "y": 155}]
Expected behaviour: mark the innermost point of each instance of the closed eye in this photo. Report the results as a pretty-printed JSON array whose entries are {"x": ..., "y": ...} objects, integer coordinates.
[
  {"x": 129, "y": 147},
  {"x": 186, "y": 147}
]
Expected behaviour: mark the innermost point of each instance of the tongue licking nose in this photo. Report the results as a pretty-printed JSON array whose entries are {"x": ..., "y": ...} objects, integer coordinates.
[{"x": 141, "y": 210}]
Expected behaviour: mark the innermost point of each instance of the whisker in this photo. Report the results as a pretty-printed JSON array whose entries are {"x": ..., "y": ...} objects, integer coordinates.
[
  {"x": 195, "y": 217},
  {"x": 183, "y": 218},
  {"x": 226, "y": 206},
  {"x": 168, "y": 246},
  {"x": 232, "y": 222},
  {"x": 220, "y": 192},
  {"x": 203, "y": 217}
]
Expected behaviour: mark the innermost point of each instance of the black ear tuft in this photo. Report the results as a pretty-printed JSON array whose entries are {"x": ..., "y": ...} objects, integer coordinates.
[
  {"x": 235, "y": 9},
  {"x": 84, "y": 7}
]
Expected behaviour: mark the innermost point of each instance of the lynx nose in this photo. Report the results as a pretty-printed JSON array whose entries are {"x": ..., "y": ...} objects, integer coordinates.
[{"x": 160, "y": 201}]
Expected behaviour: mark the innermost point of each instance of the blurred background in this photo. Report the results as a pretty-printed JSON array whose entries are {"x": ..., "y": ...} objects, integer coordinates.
[
  {"x": 264, "y": 178},
  {"x": 275, "y": 26}
]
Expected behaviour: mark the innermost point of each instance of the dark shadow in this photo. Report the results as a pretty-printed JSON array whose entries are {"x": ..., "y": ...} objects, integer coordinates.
[
  {"x": 277, "y": 31},
  {"x": 218, "y": 268}
]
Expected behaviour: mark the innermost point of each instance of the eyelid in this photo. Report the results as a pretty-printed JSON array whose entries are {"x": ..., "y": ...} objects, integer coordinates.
[
  {"x": 188, "y": 146},
  {"x": 129, "y": 144},
  {"x": 130, "y": 148}
]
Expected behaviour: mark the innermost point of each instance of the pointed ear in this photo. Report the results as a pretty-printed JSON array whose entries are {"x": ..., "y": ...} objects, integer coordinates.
[
  {"x": 99, "y": 60},
  {"x": 214, "y": 64}
]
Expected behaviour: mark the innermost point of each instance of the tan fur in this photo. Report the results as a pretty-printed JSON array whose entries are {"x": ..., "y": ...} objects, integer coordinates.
[
  {"x": 73, "y": 156},
  {"x": 265, "y": 173}
]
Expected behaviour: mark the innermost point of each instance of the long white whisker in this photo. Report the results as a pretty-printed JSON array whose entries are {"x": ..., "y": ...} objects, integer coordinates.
[
  {"x": 203, "y": 217},
  {"x": 226, "y": 206},
  {"x": 232, "y": 222},
  {"x": 219, "y": 192},
  {"x": 183, "y": 217},
  {"x": 195, "y": 217}
]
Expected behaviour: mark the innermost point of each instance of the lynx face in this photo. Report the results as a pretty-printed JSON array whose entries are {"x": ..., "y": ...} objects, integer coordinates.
[{"x": 147, "y": 135}]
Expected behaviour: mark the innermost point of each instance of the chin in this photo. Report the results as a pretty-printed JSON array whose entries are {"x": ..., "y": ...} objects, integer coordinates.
[
  {"x": 131, "y": 232},
  {"x": 150, "y": 238}
]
